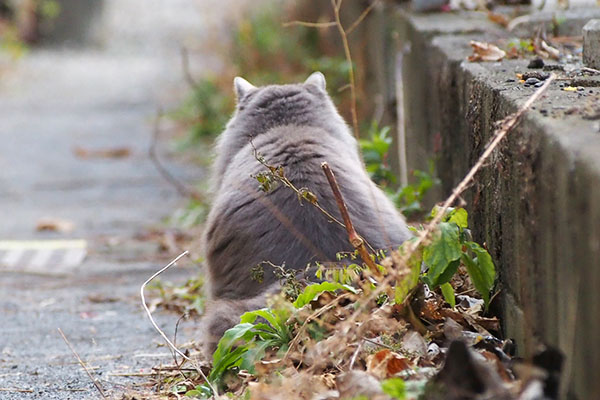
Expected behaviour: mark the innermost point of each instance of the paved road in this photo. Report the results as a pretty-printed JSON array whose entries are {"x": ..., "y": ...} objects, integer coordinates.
[{"x": 51, "y": 102}]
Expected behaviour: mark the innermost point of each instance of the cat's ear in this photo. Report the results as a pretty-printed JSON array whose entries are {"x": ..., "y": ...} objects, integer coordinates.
[
  {"x": 317, "y": 79},
  {"x": 242, "y": 87}
]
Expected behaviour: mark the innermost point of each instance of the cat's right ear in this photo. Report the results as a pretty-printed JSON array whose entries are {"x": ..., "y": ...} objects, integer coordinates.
[{"x": 242, "y": 87}]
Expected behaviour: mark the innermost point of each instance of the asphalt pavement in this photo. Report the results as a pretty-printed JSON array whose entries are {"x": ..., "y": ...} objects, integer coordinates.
[{"x": 75, "y": 128}]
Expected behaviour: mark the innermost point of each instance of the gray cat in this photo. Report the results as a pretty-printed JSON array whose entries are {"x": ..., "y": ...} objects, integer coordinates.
[{"x": 297, "y": 127}]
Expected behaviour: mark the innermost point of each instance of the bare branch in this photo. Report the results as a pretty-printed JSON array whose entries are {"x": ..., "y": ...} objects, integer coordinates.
[
  {"x": 183, "y": 189},
  {"x": 185, "y": 66},
  {"x": 361, "y": 17},
  {"x": 87, "y": 370},
  {"x": 355, "y": 239}
]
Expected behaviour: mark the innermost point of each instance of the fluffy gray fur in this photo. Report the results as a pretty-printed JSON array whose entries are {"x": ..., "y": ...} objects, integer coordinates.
[{"x": 297, "y": 127}]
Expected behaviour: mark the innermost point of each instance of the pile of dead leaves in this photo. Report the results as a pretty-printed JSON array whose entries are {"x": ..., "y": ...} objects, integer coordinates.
[{"x": 422, "y": 348}]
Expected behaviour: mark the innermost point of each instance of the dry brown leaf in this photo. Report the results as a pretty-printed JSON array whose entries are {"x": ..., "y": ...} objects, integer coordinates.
[
  {"x": 497, "y": 18},
  {"x": 386, "y": 363},
  {"x": 116, "y": 152},
  {"x": 495, "y": 361},
  {"x": 54, "y": 225},
  {"x": 485, "y": 52}
]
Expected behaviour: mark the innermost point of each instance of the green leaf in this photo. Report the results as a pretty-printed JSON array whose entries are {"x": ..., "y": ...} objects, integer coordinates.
[
  {"x": 448, "y": 292},
  {"x": 311, "y": 292},
  {"x": 255, "y": 353},
  {"x": 227, "y": 361},
  {"x": 250, "y": 316},
  {"x": 230, "y": 338},
  {"x": 394, "y": 387},
  {"x": 459, "y": 216},
  {"x": 203, "y": 391},
  {"x": 447, "y": 275},
  {"x": 481, "y": 269},
  {"x": 444, "y": 249},
  {"x": 405, "y": 285}
]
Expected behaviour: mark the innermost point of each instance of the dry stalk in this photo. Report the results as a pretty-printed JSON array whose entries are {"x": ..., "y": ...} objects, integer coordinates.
[
  {"x": 336, "y": 5},
  {"x": 353, "y": 359},
  {"x": 357, "y": 242},
  {"x": 15, "y": 390},
  {"x": 169, "y": 343},
  {"x": 183, "y": 189},
  {"x": 310, "y": 318},
  {"x": 87, "y": 370},
  {"x": 309, "y": 24}
]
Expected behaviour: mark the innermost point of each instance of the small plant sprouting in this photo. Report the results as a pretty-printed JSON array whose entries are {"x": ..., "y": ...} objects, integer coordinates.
[
  {"x": 375, "y": 151},
  {"x": 409, "y": 198}
]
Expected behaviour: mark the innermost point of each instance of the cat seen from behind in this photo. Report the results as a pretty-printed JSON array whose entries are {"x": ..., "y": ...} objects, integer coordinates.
[{"x": 297, "y": 127}]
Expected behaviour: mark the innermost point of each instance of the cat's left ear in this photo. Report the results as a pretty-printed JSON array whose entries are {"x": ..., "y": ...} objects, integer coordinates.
[
  {"x": 317, "y": 79},
  {"x": 242, "y": 87}
]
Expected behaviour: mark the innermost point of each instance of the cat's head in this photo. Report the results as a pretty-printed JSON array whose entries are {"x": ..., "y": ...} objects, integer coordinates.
[
  {"x": 304, "y": 104},
  {"x": 259, "y": 109}
]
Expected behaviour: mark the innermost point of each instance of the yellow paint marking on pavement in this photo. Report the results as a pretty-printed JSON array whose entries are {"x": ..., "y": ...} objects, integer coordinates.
[
  {"x": 43, "y": 244},
  {"x": 42, "y": 256}
]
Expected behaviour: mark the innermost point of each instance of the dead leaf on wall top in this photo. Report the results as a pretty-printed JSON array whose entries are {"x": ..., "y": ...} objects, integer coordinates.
[{"x": 485, "y": 52}]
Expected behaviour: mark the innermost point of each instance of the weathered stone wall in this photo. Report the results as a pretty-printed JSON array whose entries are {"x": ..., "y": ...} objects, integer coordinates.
[{"x": 537, "y": 203}]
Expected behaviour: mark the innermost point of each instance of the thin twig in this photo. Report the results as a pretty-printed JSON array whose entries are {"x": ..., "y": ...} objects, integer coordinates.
[
  {"x": 132, "y": 373},
  {"x": 340, "y": 27},
  {"x": 88, "y": 372},
  {"x": 16, "y": 390},
  {"x": 385, "y": 346},
  {"x": 174, "y": 368},
  {"x": 309, "y": 24},
  {"x": 183, "y": 189},
  {"x": 171, "y": 345},
  {"x": 353, "y": 359},
  {"x": 361, "y": 17},
  {"x": 590, "y": 70},
  {"x": 357, "y": 242}
]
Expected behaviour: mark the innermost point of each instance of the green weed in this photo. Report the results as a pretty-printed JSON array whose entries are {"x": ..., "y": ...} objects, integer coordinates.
[
  {"x": 408, "y": 198},
  {"x": 263, "y": 53},
  {"x": 268, "y": 329}
]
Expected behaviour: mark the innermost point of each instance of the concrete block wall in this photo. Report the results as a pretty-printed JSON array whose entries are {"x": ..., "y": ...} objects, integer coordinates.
[{"x": 537, "y": 204}]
